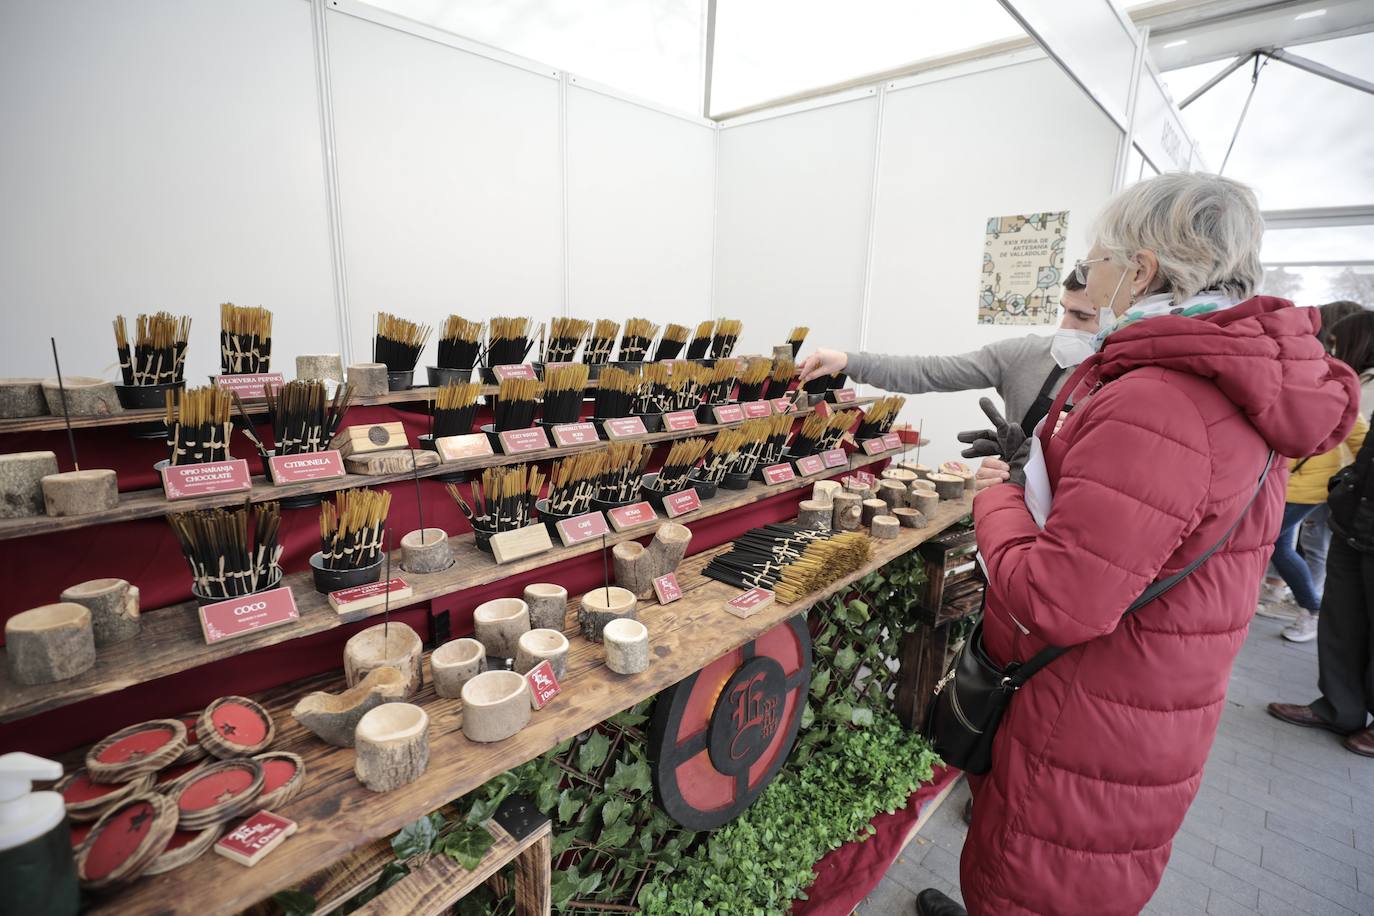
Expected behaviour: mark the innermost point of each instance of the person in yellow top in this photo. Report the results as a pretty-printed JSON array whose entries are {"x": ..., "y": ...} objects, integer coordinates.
[{"x": 1307, "y": 490}]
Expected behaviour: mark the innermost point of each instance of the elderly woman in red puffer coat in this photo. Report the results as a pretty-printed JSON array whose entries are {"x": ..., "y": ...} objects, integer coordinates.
[{"x": 1101, "y": 753}]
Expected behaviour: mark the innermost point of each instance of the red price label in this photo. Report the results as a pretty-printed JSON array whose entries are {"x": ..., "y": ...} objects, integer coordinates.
[
  {"x": 624, "y": 427},
  {"x": 582, "y": 528},
  {"x": 747, "y": 603},
  {"x": 811, "y": 464},
  {"x": 516, "y": 441},
  {"x": 240, "y": 616},
  {"x": 361, "y": 597},
  {"x": 779, "y": 473},
  {"x": 823, "y": 409},
  {"x": 666, "y": 589},
  {"x": 845, "y": 395},
  {"x": 892, "y": 440},
  {"x": 783, "y": 405},
  {"x": 455, "y": 448},
  {"x": 543, "y": 684},
  {"x": 574, "y": 434},
  {"x": 728, "y": 413},
  {"x": 755, "y": 409},
  {"x": 250, "y": 385},
  {"x": 523, "y": 370},
  {"x": 314, "y": 466},
  {"x": 835, "y": 458},
  {"x": 682, "y": 503},
  {"x": 632, "y": 516},
  {"x": 182, "y": 481},
  {"x": 680, "y": 420},
  {"x": 255, "y": 837},
  {"x": 865, "y": 478}
]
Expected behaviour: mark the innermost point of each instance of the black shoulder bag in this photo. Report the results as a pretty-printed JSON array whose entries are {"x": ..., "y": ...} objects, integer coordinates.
[{"x": 972, "y": 697}]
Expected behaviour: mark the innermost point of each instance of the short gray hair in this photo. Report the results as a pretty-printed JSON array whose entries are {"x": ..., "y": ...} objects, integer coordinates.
[{"x": 1204, "y": 229}]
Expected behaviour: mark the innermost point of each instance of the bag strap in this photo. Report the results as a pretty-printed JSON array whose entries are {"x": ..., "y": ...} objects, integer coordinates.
[
  {"x": 1298, "y": 467},
  {"x": 1156, "y": 589}
]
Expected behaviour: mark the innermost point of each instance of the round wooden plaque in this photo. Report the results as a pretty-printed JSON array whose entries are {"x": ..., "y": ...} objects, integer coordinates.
[
  {"x": 184, "y": 846},
  {"x": 87, "y": 800},
  {"x": 220, "y": 792},
  {"x": 194, "y": 751},
  {"x": 124, "y": 842},
  {"x": 283, "y": 774},
  {"x": 234, "y": 727},
  {"x": 136, "y": 750}
]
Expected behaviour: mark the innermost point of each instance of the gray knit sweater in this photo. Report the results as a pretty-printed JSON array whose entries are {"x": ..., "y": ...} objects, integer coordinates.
[{"x": 1016, "y": 368}]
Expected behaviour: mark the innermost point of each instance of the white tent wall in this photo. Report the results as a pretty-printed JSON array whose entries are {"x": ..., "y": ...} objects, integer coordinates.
[{"x": 159, "y": 156}]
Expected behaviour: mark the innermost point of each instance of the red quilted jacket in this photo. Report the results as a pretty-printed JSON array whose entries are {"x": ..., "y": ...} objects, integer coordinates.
[{"x": 1102, "y": 752}]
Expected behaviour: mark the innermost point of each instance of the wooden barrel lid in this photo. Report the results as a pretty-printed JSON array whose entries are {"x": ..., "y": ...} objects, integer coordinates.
[
  {"x": 124, "y": 842},
  {"x": 143, "y": 748},
  {"x": 235, "y": 727}
]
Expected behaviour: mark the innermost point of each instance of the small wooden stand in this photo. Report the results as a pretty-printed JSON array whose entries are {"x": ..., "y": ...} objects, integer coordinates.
[
  {"x": 86, "y": 397},
  {"x": 872, "y": 508},
  {"x": 368, "y": 379},
  {"x": 283, "y": 775},
  {"x": 627, "y": 646},
  {"x": 426, "y": 550},
  {"x": 814, "y": 514},
  {"x": 151, "y": 818},
  {"x": 892, "y": 492},
  {"x": 637, "y": 566},
  {"x": 113, "y": 604},
  {"x": 910, "y": 518},
  {"x": 499, "y": 623},
  {"x": 548, "y": 604},
  {"x": 924, "y": 502},
  {"x": 21, "y": 482},
  {"x": 76, "y": 493},
  {"x": 364, "y": 438},
  {"x": 846, "y": 512},
  {"x": 542, "y": 645},
  {"x": 49, "y": 643},
  {"x": 396, "y": 646},
  {"x": 454, "y": 664},
  {"x": 322, "y": 366},
  {"x": 332, "y": 717},
  {"x": 21, "y": 397},
  {"x": 823, "y": 491},
  {"x": 885, "y": 527},
  {"x": 496, "y": 705},
  {"x": 602, "y": 605},
  {"x": 392, "y": 744},
  {"x": 394, "y": 461},
  {"x": 948, "y": 486},
  {"x": 136, "y": 750}
]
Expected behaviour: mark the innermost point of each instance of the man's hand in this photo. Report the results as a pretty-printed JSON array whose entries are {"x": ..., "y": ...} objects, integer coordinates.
[
  {"x": 992, "y": 471},
  {"x": 822, "y": 362}
]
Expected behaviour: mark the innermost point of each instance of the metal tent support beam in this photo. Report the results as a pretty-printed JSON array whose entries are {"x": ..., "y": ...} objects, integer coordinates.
[{"x": 1322, "y": 70}]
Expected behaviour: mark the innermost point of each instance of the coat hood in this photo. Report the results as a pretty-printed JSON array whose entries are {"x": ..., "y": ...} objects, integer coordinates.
[{"x": 1263, "y": 354}]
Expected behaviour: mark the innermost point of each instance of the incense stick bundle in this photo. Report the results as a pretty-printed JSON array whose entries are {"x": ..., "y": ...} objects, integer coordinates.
[
  {"x": 565, "y": 336},
  {"x": 460, "y": 341},
  {"x": 351, "y": 528},
  {"x": 880, "y": 417},
  {"x": 791, "y": 560},
  {"x": 573, "y": 482},
  {"x": 701, "y": 341},
  {"x": 651, "y": 389},
  {"x": 158, "y": 356},
  {"x": 784, "y": 370},
  {"x": 819, "y": 434},
  {"x": 721, "y": 381},
  {"x": 671, "y": 343},
  {"x": 599, "y": 345},
  {"x": 776, "y": 430},
  {"x": 634, "y": 343},
  {"x": 398, "y": 342},
  {"x": 231, "y": 552},
  {"x": 198, "y": 425},
  {"x": 508, "y": 342},
  {"x": 722, "y": 454},
  {"x": 724, "y": 336},
  {"x": 685, "y": 385},
  {"x": 304, "y": 420},
  {"x": 455, "y": 407},
  {"x": 796, "y": 337},
  {"x": 503, "y": 500},
  {"x": 615, "y": 393},
  {"x": 245, "y": 339},
  {"x": 564, "y": 386},
  {"x": 623, "y": 471},
  {"x": 516, "y": 401},
  {"x": 681, "y": 461},
  {"x": 754, "y": 379}
]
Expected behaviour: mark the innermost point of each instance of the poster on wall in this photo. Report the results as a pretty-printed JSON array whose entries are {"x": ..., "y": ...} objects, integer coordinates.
[{"x": 1023, "y": 262}]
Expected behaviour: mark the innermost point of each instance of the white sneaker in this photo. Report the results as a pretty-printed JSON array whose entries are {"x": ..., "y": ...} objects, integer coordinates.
[
  {"x": 1287, "y": 612},
  {"x": 1304, "y": 629},
  {"x": 1275, "y": 593}
]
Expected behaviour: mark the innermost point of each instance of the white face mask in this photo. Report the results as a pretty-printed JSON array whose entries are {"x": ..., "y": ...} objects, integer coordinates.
[
  {"x": 1069, "y": 348},
  {"x": 1106, "y": 318}
]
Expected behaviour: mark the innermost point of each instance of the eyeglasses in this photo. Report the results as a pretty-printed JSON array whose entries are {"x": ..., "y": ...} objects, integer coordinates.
[{"x": 1079, "y": 272}]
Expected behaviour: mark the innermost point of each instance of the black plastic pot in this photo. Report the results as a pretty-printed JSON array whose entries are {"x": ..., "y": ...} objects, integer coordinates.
[
  {"x": 203, "y": 600},
  {"x": 442, "y": 375},
  {"x": 331, "y": 580},
  {"x": 403, "y": 380},
  {"x": 551, "y": 519},
  {"x": 706, "y": 489},
  {"x": 653, "y": 422},
  {"x": 145, "y": 397},
  {"x": 655, "y": 496},
  {"x": 735, "y": 482},
  {"x": 706, "y": 412}
]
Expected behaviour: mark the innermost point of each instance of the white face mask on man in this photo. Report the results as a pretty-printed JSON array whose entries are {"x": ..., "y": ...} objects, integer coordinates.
[{"x": 1069, "y": 347}]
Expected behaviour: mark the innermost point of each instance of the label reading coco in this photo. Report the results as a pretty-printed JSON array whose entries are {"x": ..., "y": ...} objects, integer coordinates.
[
  {"x": 681, "y": 503},
  {"x": 582, "y": 528},
  {"x": 182, "y": 481},
  {"x": 680, "y": 420},
  {"x": 314, "y": 466},
  {"x": 574, "y": 434},
  {"x": 779, "y": 473},
  {"x": 240, "y": 616}
]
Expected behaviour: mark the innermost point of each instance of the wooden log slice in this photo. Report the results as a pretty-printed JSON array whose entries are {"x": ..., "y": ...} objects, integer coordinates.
[
  {"x": 823, "y": 491},
  {"x": 395, "y": 461},
  {"x": 812, "y": 514},
  {"x": 948, "y": 486},
  {"x": 454, "y": 664},
  {"x": 21, "y": 482},
  {"x": 872, "y": 508},
  {"x": 382, "y": 646},
  {"x": 926, "y": 503},
  {"x": 885, "y": 527},
  {"x": 910, "y": 518},
  {"x": 75, "y": 493},
  {"x": 600, "y": 606},
  {"x": 333, "y": 717},
  {"x": 125, "y": 841},
  {"x": 50, "y": 643},
  {"x": 322, "y": 366},
  {"x": 496, "y": 705},
  {"x": 548, "y": 604},
  {"x": 498, "y": 625},
  {"x": 235, "y": 727},
  {"x": 636, "y": 567},
  {"x": 900, "y": 473},
  {"x": 392, "y": 744},
  {"x": 368, "y": 379},
  {"x": 131, "y": 752},
  {"x": 22, "y": 397},
  {"x": 846, "y": 512},
  {"x": 224, "y": 790},
  {"x": 426, "y": 551},
  {"x": 627, "y": 646},
  {"x": 113, "y": 604},
  {"x": 892, "y": 492},
  {"x": 86, "y": 397}
]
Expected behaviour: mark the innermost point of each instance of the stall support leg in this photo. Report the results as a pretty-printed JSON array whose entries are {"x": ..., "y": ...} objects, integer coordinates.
[{"x": 533, "y": 879}]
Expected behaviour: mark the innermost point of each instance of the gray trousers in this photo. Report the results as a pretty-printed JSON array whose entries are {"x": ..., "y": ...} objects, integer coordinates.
[{"x": 1345, "y": 638}]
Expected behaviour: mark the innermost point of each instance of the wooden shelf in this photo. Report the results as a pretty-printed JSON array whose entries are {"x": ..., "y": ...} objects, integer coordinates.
[
  {"x": 171, "y": 640},
  {"x": 152, "y": 503},
  {"x": 337, "y": 815}
]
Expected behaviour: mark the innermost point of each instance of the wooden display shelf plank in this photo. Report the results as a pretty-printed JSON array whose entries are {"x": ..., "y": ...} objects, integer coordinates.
[
  {"x": 171, "y": 639},
  {"x": 138, "y": 504},
  {"x": 337, "y": 815}
]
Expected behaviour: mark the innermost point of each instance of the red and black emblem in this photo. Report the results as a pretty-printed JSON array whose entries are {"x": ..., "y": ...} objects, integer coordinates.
[{"x": 720, "y": 736}]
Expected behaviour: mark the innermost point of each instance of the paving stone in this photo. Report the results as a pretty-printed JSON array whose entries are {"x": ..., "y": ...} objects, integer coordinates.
[{"x": 1301, "y": 898}]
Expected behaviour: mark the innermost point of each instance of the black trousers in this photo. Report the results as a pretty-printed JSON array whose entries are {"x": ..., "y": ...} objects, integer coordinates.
[{"x": 1345, "y": 638}]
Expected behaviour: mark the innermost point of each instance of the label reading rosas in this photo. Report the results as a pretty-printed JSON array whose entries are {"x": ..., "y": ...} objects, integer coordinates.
[
  {"x": 582, "y": 528},
  {"x": 680, "y": 420},
  {"x": 779, "y": 473},
  {"x": 522, "y": 370},
  {"x": 182, "y": 481},
  {"x": 543, "y": 684},
  {"x": 624, "y": 427},
  {"x": 835, "y": 458},
  {"x": 755, "y": 409},
  {"x": 811, "y": 464},
  {"x": 681, "y": 503},
  {"x": 314, "y": 466},
  {"x": 516, "y": 441},
  {"x": 630, "y": 516},
  {"x": 574, "y": 434},
  {"x": 239, "y": 616},
  {"x": 250, "y": 384},
  {"x": 728, "y": 413},
  {"x": 666, "y": 589}
]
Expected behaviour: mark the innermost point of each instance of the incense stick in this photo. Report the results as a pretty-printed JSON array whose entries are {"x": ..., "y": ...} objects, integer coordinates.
[
  {"x": 508, "y": 342},
  {"x": 701, "y": 341},
  {"x": 351, "y": 528},
  {"x": 724, "y": 336},
  {"x": 455, "y": 408},
  {"x": 573, "y": 482},
  {"x": 504, "y": 498},
  {"x": 598, "y": 349},
  {"x": 303, "y": 420},
  {"x": 754, "y": 378},
  {"x": 564, "y": 387},
  {"x": 671, "y": 343},
  {"x": 880, "y": 417},
  {"x": 245, "y": 339},
  {"x": 678, "y": 465},
  {"x": 158, "y": 355},
  {"x": 634, "y": 343},
  {"x": 225, "y": 561},
  {"x": 623, "y": 471},
  {"x": 198, "y": 425},
  {"x": 460, "y": 341},
  {"x": 615, "y": 393},
  {"x": 66, "y": 414},
  {"x": 516, "y": 401},
  {"x": 399, "y": 342},
  {"x": 565, "y": 336},
  {"x": 793, "y": 561},
  {"x": 796, "y": 337}
]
